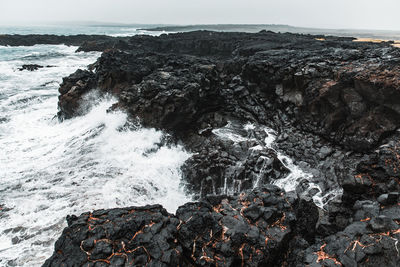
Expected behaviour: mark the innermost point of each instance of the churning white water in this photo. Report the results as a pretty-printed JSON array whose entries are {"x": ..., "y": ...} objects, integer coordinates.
[
  {"x": 50, "y": 169},
  {"x": 239, "y": 133}
]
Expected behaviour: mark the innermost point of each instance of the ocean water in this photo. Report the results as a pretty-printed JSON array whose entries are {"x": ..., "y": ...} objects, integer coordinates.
[
  {"x": 50, "y": 169},
  {"x": 111, "y": 30}
]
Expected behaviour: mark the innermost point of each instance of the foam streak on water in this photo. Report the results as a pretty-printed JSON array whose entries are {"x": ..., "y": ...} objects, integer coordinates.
[
  {"x": 291, "y": 181},
  {"x": 50, "y": 169},
  {"x": 237, "y": 133}
]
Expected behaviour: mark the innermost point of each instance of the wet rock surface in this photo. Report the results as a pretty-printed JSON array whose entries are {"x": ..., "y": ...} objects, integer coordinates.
[
  {"x": 315, "y": 116},
  {"x": 30, "y": 67},
  {"x": 249, "y": 229},
  {"x": 371, "y": 239}
]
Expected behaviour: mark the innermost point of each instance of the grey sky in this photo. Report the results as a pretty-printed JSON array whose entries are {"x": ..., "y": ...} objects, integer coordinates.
[{"x": 362, "y": 14}]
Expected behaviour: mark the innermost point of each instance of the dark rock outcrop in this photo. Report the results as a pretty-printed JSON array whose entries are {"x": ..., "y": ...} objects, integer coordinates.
[
  {"x": 88, "y": 42},
  {"x": 30, "y": 67},
  {"x": 248, "y": 229},
  {"x": 338, "y": 93},
  {"x": 254, "y": 108},
  {"x": 338, "y": 89},
  {"x": 264, "y": 227},
  {"x": 370, "y": 240}
]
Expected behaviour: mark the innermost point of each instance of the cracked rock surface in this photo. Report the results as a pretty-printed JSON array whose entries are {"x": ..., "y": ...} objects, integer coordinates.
[
  {"x": 254, "y": 109},
  {"x": 251, "y": 228}
]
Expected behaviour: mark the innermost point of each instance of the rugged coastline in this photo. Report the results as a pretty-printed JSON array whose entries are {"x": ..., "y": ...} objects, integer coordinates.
[{"x": 330, "y": 104}]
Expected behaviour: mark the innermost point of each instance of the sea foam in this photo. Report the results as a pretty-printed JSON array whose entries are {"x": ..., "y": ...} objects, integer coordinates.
[{"x": 50, "y": 169}]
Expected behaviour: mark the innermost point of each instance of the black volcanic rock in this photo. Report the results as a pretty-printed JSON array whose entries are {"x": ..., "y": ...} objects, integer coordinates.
[
  {"x": 72, "y": 89},
  {"x": 371, "y": 240},
  {"x": 190, "y": 84},
  {"x": 250, "y": 229},
  {"x": 264, "y": 227},
  {"x": 251, "y": 107},
  {"x": 223, "y": 166},
  {"x": 344, "y": 88},
  {"x": 95, "y": 42},
  {"x": 30, "y": 67},
  {"x": 120, "y": 237}
]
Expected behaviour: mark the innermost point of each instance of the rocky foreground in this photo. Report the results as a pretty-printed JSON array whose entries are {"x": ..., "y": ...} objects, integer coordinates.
[{"x": 245, "y": 104}]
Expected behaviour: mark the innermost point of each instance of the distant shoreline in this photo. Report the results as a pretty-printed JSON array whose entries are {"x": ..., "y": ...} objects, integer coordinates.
[
  {"x": 151, "y": 29},
  {"x": 253, "y": 28}
]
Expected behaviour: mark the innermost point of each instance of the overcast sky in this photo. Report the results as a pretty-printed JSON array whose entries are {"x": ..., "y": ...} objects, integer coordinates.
[{"x": 360, "y": 14}]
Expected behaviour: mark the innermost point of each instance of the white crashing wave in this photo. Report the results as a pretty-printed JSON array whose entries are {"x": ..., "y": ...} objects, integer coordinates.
[{"x": 50, "y": 169}]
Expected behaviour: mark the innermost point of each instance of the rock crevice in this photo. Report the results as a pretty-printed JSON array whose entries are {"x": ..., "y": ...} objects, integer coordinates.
[{"x": 252, "y": 107}]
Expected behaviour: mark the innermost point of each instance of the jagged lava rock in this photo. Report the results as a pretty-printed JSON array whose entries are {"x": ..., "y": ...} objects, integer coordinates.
[
  {"x": 333, "y": 105},
  {"x": 250, "y": 229},
  {"x": 95, "y": 42}
]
